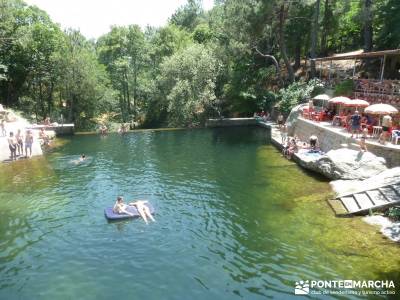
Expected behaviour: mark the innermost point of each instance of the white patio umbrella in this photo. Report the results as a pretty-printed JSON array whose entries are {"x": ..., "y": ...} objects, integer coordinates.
[
  {"x": 341, "y": 100},
  {"x": 357, "y": 103},
  {"x": 323, "y": 97},
  {"x": 381, "y": 109}
]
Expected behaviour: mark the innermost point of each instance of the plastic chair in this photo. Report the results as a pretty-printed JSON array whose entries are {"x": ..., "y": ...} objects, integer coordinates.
[{"x": 395, "y": 136}]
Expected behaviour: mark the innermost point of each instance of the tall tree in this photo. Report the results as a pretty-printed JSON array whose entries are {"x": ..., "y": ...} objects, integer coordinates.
[
  {"x": 283, "y": 9},
  {"x": 367, "y": 24},
  {"x": 314, "y": 36},
  {"x": 387, "y": 24}
]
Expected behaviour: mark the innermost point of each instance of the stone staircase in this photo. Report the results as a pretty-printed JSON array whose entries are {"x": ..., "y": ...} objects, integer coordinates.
[{"x": 363, "y": 202}]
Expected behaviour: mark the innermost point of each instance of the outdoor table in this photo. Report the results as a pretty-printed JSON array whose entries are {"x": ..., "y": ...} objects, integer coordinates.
[{"x": 376, "y": 131}]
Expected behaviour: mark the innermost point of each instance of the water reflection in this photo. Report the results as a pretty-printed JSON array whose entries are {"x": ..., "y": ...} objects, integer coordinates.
[{"x": 233, "y": 219}]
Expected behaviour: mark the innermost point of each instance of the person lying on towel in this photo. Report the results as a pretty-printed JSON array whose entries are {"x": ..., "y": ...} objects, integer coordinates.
[{"x": 121, "y": 208}]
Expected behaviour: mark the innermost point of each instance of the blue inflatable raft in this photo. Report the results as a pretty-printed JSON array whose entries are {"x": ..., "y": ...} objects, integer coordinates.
[{"x": 110, "y": 215}]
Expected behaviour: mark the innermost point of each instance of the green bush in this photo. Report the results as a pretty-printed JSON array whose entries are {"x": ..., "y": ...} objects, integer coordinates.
[
  {"x": 298, "y": 92},
  {"x": 345, "y": 88}
]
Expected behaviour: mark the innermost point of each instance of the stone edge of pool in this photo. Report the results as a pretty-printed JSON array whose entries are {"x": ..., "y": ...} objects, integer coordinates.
[{"x": 389, "y": 229}]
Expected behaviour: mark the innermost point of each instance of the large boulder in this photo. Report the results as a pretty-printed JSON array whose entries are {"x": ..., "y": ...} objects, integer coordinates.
[
  {"x": 344, "y": 163},
  {"x": 293, "y": 116}
]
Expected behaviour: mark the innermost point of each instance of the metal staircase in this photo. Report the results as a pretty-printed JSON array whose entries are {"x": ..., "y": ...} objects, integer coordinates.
[{"x": 363, "y": 202}]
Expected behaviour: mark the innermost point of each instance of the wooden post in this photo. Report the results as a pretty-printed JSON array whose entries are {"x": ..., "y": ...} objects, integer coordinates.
[
  {"x": 354, "y": 67},
  {"x": 320, "y": 71},
  {"x": 330, "y": 70},
  {"x": 383, "y": 66}
]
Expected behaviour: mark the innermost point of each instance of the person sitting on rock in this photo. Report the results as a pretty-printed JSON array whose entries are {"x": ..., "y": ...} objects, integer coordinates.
[
  {"x": 314, "y": 142},
  {"x": 44, "y": 137},
  {"x": 293, "y": 148},
  {"x": 386, "y": 126},
  {"x": 280, "y": 121}
]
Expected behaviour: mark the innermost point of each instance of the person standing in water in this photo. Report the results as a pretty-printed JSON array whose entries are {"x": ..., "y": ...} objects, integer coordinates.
[
  {"x": 12, "y": 145},
  {"x": 28, "y": 143},
  {"x": 20, "y": 142}
]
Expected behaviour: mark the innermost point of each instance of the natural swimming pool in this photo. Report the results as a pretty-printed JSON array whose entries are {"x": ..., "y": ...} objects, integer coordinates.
[{"x": 234, "y": 220}]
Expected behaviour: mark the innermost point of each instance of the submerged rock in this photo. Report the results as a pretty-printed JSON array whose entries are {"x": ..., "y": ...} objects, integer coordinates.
[{"x": 344, "y": 164}]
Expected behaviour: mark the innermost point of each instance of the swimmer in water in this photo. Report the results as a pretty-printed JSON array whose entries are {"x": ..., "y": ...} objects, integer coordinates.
[{"x": 81, "y": 159}]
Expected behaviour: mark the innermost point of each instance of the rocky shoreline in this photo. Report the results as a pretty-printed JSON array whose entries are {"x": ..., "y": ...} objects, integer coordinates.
[{"x": 350, "y": 171}]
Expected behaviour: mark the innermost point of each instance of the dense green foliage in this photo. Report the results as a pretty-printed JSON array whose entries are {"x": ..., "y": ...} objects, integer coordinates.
[
  {"x": 345, "y": 88},
  {"x": 231, "y": 60},
  {"x": 298, "y": 92}
]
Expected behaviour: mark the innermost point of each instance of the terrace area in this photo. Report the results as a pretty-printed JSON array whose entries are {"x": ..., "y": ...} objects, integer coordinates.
[{"x": 332, "y": 136}]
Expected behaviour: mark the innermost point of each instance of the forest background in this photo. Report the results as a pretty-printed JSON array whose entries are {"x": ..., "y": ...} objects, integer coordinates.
[{"x": 239, "y": 57}]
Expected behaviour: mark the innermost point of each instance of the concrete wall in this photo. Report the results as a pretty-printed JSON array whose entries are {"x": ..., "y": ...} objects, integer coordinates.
[{"x": 330, "y": 139}]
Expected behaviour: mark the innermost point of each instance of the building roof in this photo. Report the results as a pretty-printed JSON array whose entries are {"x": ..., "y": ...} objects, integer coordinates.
[{"x": 359, "y": 54}]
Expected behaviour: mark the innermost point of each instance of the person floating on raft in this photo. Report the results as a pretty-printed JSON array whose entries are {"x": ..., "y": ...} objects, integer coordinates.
[{"x": 121, "y": 208}]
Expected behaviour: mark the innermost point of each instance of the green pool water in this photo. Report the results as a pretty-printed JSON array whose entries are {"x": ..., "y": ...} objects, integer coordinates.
[{"x": 234, "y": 221}]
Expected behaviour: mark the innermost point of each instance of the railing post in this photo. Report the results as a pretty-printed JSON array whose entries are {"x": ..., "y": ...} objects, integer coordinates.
[{"x": 383, "y": 66}]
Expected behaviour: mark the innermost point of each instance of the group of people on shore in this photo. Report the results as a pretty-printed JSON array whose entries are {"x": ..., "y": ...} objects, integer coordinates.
[
  {"x": 265, "y": 116},
  {"x": 20, "y": 144},
  {"x": 360, "y": 124},
  {"x": 17, "y": 142},
  {"x": 293, "y": 144},
  {"x": 123, "y": 128}
]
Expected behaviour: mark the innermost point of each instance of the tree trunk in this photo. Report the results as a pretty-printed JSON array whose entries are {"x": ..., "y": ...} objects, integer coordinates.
[
  {"x": 134, "y": 92},
  {"x": 50, "y": 99},
  {"x": 325, "y": 30},
  {"x": 127, "y": 93},
  {"x": 71, "y": 108},
  {"x": 314, "y": 37},
  {"x": 282, "y": 43},
  {"x": 297, "y": 54},
  {"x": 276, "y": 64},
  {"x": 367, "y": 22}
]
